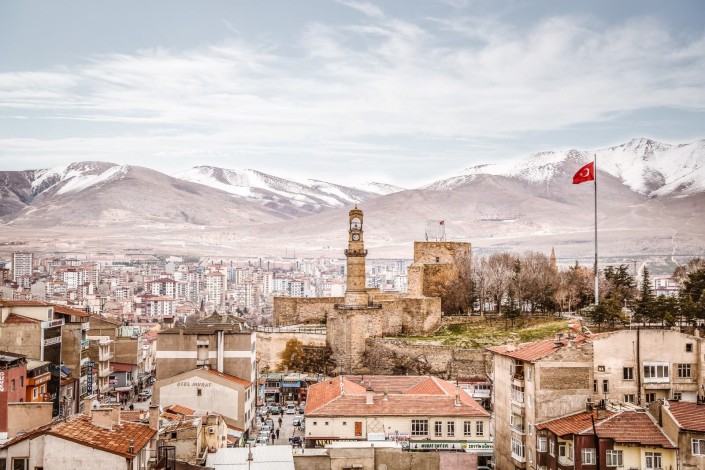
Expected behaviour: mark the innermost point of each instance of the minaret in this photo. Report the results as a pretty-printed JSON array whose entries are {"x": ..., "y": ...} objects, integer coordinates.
[
  {"x": 355, "y": 293},
  {"x": 554, "y": 265}
]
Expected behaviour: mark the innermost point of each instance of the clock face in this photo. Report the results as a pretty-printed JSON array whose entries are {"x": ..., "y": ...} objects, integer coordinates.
[
  {"x": 356, "y": 223},
  {"x": 356, "y": 236}
]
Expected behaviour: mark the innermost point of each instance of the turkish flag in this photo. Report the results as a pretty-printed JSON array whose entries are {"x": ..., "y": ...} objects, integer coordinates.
[{"x": 586, "y": 173}]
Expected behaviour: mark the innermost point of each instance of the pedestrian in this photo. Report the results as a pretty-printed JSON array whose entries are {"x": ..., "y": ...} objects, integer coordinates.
[
  {"x": 277, "y": 434},
  {"x": 280, "y": 421},
  {"x": 132, "y": 406},
  {"x": 272, "y": 436}
]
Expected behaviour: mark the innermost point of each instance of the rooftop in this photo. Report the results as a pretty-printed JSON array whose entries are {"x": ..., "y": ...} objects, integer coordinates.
[
  {"x": 632, "y": 427},
  {"x": 573, "y": 424},
  {"x": 392, "y": 396},
  {"x": 535, "y": 350},
  {"x": 690, "y": 416}
]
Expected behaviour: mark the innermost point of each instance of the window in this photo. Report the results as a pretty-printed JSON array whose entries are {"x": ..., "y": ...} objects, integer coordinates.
[
  {"x": 614, "y": 458},
  {"x": 345, "y": 423},
  {"x": 35, "y": 393},
  {"x": 21, "y": 463},
  {"x": 529, "y": 374},
  {"x": 531, "y": 429},
  {"x": 688, "y": 347},
  {"x": 628, "y": 373},
  {"x": 516, "y": 422},
  {"x": 199, "y": 392},
  {"x": 419, "y": 427},
  {"x": 21, "y": 382},
  {"x": 650, "y": 397},
  {"x": 3, "y": 464},
  {"x": 684, "y": 371},
  {"x": 541, "y": 444},
  {"x": 653, "y": 460},
  {"x": 656, "y": 372},
  {"x": 698, "y": 446},
  {"x": 677, "y": 396},
  {"x": 12, "y": 385},
  {"x": 438, "y": 428},
  {"x": 600, "y": 368},
  {"x": 467, "y": 428},
  {"x": 552, "y": 447},
  {"x": 629, "y": 398},
  {"x": 605, "y": 386},
  {"x": 479, "y": 428},
  {"x": 588, "y": 456},
  {"x": 451, "y": 428},
  {"x": 594, "y": 386},
  {"x": 565, "y": 450},
  {"x": 517, "y": 393},
  {"x": 517, "y": 447}
]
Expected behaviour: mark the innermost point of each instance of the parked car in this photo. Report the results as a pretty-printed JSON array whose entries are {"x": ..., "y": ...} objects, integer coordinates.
[
  {"x": 298, "y": 420},
  {"x": 276, "y": 410},
  {"x": 266, "y": 429},
  {"x": 290, "y": 409},
  {"x": 269, "y": 422},
  {"x": 144, "y": 394},
  {"x": 262, "y": 440}
]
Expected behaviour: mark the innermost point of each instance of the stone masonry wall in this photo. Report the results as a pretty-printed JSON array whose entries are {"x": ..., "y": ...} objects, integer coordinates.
[
  {"x": 271, "y": 345},
  {"x": 298, "y": 310},
  {"x": 386, "y": 356},
  {"x": 440, "y": 252}
]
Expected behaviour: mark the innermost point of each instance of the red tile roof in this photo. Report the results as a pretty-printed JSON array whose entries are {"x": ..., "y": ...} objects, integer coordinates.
[
  {"x": 178, "y": 409},
  {"x": 632, "y": 427},
  {"x": 23, "y": 303},
  {"x": 232, "y": 378},
  {"x": 535, "y": 350},
  {"x": 122, "y": 366},
  {"x": 690, "y": 416},
  {"x": 79, "y": 429},
  {"x": 14, "y": 318},
  {"x": 573, "y": 424},
  {"x": 405, "y": 396},
  {"x": 70, "y": 311}
]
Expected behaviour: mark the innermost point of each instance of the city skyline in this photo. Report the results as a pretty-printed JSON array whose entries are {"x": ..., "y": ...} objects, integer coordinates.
[{"x": 342, "y": 91}]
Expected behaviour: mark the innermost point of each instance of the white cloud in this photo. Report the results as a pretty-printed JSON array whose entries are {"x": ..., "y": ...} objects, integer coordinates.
[
  {"x": 367, "y": 8},
  {"x": 459, "y": 80}
]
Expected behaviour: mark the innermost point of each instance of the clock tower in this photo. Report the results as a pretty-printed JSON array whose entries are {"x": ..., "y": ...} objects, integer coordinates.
[{"x": 355, "y": 293}]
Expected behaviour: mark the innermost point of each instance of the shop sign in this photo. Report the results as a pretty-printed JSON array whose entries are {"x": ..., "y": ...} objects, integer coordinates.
[
  {"x": 52, "y": 323},
  {"x": 2, "y": 381},
  {"x": 375, "y": 436},
  {"x": 291, "y": 384},
  {"x": 489, "y": 446},
  {"x": 437, "y": 445},
  {"x": 89, "y": 377},
  {"x": 50, "y": 341}
]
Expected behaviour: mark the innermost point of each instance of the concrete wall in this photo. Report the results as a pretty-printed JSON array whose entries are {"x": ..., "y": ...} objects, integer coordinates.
[
  {"x": 25, "y": 416},
  {"x": 376, "y": 458},
  {"x": 270, "y": 346},
  {"x": 298, "y": 310},
  {"x": 68, "y": 455}
]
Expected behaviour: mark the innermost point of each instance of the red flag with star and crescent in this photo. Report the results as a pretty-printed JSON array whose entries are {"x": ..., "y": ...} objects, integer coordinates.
[{"x": 586, "y": 173}]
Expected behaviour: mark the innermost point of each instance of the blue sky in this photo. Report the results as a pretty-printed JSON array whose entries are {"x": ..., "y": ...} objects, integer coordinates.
[{"x": 403, "y": 92}]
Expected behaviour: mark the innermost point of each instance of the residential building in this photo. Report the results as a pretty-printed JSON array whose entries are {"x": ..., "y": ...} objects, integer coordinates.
[
  {"x": 626, "y": 439},
  {"x": 100, "y": 439},
  {"x": 684, "y": 424},
  {"x": 642, "y": 366},
  {"x": 99, "y": 368},
  {"x": 38, "y": 375},
  {"x": 13, "y": 377},
  {"x": 532, "y": 383},
  {"x": 22, "y": 266},
  {"x": 75, "y": 344},
  {"x": 428, "y": 413},
  {"x": 30, "y": 328}
]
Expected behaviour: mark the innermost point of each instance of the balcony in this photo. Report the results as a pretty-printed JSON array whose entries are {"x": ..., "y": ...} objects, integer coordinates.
[{"x": 105, "y": 372}]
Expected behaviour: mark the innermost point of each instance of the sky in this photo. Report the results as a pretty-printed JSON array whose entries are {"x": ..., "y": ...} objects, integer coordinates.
[{"x": 404, "y": 92}]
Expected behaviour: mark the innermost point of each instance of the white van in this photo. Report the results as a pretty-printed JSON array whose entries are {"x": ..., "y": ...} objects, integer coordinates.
[{"x": 290, "y": 409}]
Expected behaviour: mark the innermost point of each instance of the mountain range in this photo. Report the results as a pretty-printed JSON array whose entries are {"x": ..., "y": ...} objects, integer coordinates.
[{"x": 650, "y": 200}]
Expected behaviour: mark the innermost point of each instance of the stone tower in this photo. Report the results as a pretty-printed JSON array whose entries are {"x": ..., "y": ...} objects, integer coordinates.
[
  {"x": 552, "y": 260},
  {"x": 355, "y": 293}
]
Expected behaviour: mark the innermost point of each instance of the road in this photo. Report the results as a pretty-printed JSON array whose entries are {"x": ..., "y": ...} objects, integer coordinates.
[{"x": 286, "y": 430}]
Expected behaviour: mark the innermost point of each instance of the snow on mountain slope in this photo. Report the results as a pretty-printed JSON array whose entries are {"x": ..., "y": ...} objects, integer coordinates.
[
  {"x": 645, "y": 166},
  {"x": 312, "y": 195},
  {"x": 75, "y": 177}
]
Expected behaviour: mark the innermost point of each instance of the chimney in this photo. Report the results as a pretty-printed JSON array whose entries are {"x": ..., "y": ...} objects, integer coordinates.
[
  {"x": 115, "y": 414},
  {"x": 559, "y": 339},
  {"x": 132, "y": 446},
  {"x": 154, "y": 417},
  {"x": 457, "y": 395},
  {"x": 103, "y": 418},
  {"x": 588, "y": 405},
  {"x": 87, "y": 404},
  {"x": 511, "y": 345},
  {"x": 369, "y": 394}
]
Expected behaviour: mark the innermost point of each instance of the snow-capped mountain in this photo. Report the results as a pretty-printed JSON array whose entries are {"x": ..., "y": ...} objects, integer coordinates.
[
  {"x": 310, "y": 196},
  {"x": 645, "y": 166}
]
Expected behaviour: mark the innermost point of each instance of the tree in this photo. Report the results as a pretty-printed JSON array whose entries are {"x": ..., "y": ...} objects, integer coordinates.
[
  {"x": 645, "y": 304},
  {"x": 499, "y": 272},
  {"x": 692, "y": 295},
  {"x": 608, "y": 311},
  {"x": 292, "y": 357},
  {"x": 620, "y": 285}
]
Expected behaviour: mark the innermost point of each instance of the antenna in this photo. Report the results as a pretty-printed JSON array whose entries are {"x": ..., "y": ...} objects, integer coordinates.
[{"x": 435, "y": 230}]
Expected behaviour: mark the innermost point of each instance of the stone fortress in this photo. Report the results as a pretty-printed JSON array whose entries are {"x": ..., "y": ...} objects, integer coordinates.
[{"x": 368, "y": 313}]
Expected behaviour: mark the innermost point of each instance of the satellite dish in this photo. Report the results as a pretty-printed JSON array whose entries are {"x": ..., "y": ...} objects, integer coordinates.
[{"x": 95, "y": 404}]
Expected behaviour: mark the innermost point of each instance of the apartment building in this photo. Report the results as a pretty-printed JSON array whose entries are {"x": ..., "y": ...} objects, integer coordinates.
[
  {"x": 533, "y": 383},
  {"x": 22, "y": 266},
  {"x": 642, "y": 366},
  {"x": 684, "y": 424}
]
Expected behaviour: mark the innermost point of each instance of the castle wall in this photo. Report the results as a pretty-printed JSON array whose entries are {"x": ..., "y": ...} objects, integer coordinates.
[
  {"x": 440, "y": 252},
  {"x": 298, "y": 310},
  {"x": 271, "y": 345},
  {"x": 387, "y": 356}
]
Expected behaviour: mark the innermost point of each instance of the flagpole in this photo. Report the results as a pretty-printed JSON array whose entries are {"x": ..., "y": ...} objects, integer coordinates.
[{"x": 597, "y": 297}]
